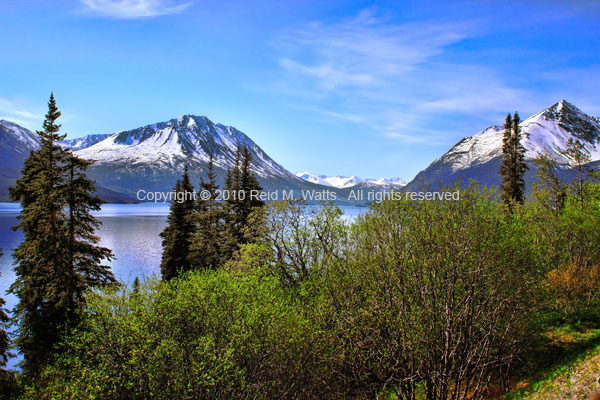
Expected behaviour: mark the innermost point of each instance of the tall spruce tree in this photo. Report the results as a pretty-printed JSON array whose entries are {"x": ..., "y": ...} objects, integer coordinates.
[
  {"x": 84, "y": 253},
  {"x": 513, "y": 166},
  {"x": 209, "y": 219},
  {"x": 4, "y": 339},
  {"x": 231, "y": 207},
  {"x": 249, "y": 186},
  {"x": 243, "y": 183},
  {"x": 59, "y": 258},
  {"x": 177, "y": 235},
  {"x": 7, "y": 379}
]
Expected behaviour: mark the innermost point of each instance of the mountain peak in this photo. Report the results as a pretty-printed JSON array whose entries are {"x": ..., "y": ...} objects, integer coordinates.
[
  {"x": 191, "y": 120},
  {"x": 570, "y": 118},
  {"x": 560, "y": 108}
]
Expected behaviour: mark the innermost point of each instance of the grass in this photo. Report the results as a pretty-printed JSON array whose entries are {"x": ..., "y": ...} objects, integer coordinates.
[{"x": 564, "y": 364}]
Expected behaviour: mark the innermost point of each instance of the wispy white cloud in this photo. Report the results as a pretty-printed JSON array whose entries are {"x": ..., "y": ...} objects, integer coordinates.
[
  {"x": 133, "y": 9},
  {"x": 18, "y": 114},
  {"x": 328, "y": 75},
  {"x": 393, "y": 77}
]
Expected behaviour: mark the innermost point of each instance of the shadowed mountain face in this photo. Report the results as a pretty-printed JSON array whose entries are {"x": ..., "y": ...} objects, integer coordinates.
[
  {"x": 16, "y": 143},
  {"x": 479, "y": 157},
  {"x": 83, "y": 142}
]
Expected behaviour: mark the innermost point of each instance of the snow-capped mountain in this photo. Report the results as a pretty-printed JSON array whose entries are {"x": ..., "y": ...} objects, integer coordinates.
[
  {"x": 187, "y": 140},
  {"x": 478, "y": 157},
  {"x": 341, "y": 182},
  {"x": 15, "y": 144},
  {"x": 23, "y": 137},
  {"x": 152, "y": 157},
  {"x": 333, "y": 181},
  {"x": 83, "y": 142}
]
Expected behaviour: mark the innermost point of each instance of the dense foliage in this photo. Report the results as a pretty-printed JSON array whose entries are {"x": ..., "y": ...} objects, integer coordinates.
[
  {"x": 433, "y": 300},
  {"x": 206, "y": 231},
  {"x": 210, "y": 334}
]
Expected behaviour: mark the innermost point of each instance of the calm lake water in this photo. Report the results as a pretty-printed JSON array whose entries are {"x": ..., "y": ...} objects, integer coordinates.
[{"x": 130, "y": 230}]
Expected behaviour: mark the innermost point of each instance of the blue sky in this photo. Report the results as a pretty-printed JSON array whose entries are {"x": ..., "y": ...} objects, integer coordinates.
[{"x": 345, "y": 87}]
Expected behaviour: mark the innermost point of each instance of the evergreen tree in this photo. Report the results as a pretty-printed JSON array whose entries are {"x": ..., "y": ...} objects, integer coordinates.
[
  {"x": 507, "y": 165},
  {"x": 243, "y": 187},
  {"x": 7, "y": 379},
  {"x": 43, "y": 306},
  {"x": 136, "y": 285},
  {"x": 249, "y": 186},
  {"x": 231, "y": 208},
  {"x": 207, "y": 242},
  {"x": 84, "y": 253},
  {"x": 513, "y": 166},
  {"x": 58, "y": 259},
  {"x": 178, "y": 233},
  {"x": 4, "y": 340}
]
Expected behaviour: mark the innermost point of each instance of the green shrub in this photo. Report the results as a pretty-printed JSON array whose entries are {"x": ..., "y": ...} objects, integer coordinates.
[
  {"x": 206, "y": 335},
  {"x": 434, "y": 298}
]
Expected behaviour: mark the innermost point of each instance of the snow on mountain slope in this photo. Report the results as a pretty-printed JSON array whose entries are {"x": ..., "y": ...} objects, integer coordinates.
[
  {"x": 341, "y": 182},
  {"x": 334, "y": 181},
  {"x": 545, "y": 132},
  {"x": 187, "y": 140},
  {"x": 31, "y": 141},
  {"x": 26, "y": 137},
  {"x": 83, "y": 142},
  {"x": 15, "y": 144},
  {"x": 387, "y": 181},
  {"x": 549, "y": 131}
]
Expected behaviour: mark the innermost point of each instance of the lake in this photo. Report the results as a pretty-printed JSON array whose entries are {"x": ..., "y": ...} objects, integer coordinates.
[{"x": 131, "y": 231}]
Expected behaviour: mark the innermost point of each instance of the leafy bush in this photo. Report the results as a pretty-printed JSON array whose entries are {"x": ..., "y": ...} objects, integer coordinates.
[
  {"x": 568, "y": 251},
  {"x": 432, "y": 299},
  {"x": 575, "y": 290},
  {"x": 206, "y": 335}
]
